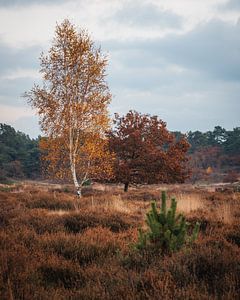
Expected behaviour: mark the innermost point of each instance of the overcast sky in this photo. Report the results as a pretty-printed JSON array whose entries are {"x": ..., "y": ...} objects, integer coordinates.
[{"x": 178, "y": 59}]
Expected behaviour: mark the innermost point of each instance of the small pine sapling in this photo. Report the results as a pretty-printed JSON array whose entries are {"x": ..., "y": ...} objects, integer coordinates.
[{"x": 168, "y": 231}]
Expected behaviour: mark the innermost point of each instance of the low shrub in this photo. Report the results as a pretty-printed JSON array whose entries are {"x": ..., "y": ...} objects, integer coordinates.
[
  {"x": 207, "y": 223},
  {"x": 94, "y": 245},
  {"x": 80, "y": 221},
  {"x": 50, "y": 201},
  {"x": 40, "y": 222},
  {"x": 140, "y": 195},
  {"x": 53, "y": 204},
  {"x": 59, "y": 273},
  {"x": 9, "y": 209},
  {"x": 209, "y": 264},
  {"x": 17, "y": 270},
  {"x": 167, "y": 231},
  {"x": 233, "y": 235}
]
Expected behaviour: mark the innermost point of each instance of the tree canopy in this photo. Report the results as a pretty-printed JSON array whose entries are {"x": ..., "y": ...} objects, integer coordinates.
[
  {"x": 146, "y": 152},
  {"x": 72, "y": 105}
]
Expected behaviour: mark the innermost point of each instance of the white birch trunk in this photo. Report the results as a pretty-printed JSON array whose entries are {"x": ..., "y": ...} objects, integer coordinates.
[{"x": 72, "y": 157}]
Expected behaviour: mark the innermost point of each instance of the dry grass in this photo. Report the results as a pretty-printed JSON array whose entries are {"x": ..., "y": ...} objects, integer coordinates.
[
  {"x": 189, "y": 202},
  {"x": 225, "y": 213},
  {"x": 50, "y": 250}
]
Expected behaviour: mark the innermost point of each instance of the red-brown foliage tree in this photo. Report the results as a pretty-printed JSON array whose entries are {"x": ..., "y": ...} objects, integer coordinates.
[{"x": 146, "y": 152}]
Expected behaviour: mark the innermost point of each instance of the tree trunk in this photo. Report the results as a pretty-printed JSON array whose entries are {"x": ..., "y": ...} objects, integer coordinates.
[
  {"x": 79, "y": 192},
  {"x": 72, "y": 158},
  {"x": 126, "y": 185},
  {"x": 75, "y": 181}
]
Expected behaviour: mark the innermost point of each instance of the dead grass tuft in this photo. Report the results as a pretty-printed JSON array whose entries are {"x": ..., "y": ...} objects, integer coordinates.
[{"x": 189, "y": 202}]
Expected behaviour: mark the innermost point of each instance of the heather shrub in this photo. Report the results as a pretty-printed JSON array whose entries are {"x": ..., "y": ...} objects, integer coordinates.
[
  {"x": 94, "y": 245},
  {"x": 233, "y": 235},
  {"x": 205, "y": 221},
  {"x": 9, "y": 209},
  {"x": 141, "y": 195},
  {"x": 209, "y": 264},
  {"x": 50, "y": 201},
  {"x": 40, "y": 222},
  {"x": 17, "y": 270},
  {"x": 60, "y": 273},
  {"x": 115, "y": 282},
  {"x": 53, "y": 204},
  {"x": 80, "y": 221},
  {"x": 136, "y": 260},
  {"x": 88, "y": 191}
]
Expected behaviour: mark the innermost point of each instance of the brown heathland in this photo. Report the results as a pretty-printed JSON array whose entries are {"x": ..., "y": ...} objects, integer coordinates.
[{"x": 50, "y": 250}]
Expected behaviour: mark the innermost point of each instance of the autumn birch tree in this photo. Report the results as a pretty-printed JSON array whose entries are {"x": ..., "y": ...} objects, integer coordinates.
[{"x": 72, "y": 105}]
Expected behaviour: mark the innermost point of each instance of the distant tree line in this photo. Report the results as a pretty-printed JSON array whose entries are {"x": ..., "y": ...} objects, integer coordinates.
[
  {"x": 210, "y": 153},
  {"x": 227, "y": 140},
  {"x": 19, "y": 154},
  {"x": 215, "y": 154}
]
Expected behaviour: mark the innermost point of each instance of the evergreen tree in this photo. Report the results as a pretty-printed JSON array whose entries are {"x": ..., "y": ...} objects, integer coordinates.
[
  {"x": 19, "y": 154},
  {"x": 168, "y": 231}
]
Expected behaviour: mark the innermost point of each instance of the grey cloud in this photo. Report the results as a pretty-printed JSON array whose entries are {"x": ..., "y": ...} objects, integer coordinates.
[
  {"x": 230, "y": 5},
  {"x": 139, "y": 13},
  {"x": 147, "y": 78},
  {"x": 11, "y": 58},
  {"x": 204, "y": 93},
  {"x": 212, "y": 49},
  {"x": 184, "y": 109},
  {"x": 11, "y": 90},
  {"x": 213, "y": 106}
]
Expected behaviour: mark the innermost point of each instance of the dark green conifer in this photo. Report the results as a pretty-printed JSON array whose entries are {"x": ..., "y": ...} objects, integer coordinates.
[{"x": 168, "y": 231}]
